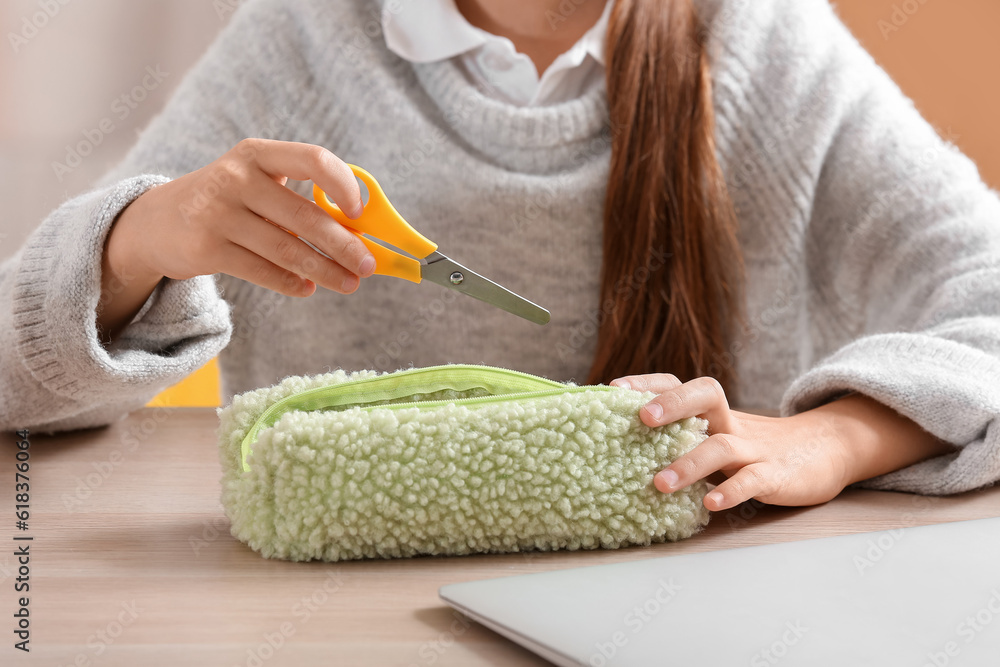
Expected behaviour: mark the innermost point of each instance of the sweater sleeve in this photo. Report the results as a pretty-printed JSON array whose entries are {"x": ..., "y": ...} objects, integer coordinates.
[
  {"x": 54, "y": 371},
  {"x": 902, "y": 255}
]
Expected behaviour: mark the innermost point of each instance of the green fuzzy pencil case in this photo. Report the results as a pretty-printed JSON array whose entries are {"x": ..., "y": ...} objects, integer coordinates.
[{"x": 448, "y": 460}]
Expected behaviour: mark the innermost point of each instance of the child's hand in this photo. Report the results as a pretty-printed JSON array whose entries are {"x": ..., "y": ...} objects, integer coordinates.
[
  {"x": 218, "y": 219},
  {"x": 215, "y": 220},
  {"x": 805, "y": 459}
]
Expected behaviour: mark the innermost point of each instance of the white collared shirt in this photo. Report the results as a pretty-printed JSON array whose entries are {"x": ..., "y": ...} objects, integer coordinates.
[{"x": 424, "y": 31}]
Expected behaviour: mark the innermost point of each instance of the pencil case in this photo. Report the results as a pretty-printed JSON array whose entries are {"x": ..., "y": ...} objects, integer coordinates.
[{"x": 454, "y": 459}]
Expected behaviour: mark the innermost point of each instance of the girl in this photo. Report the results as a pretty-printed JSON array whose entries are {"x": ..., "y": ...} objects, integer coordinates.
[{"x": 718, "y": 200}]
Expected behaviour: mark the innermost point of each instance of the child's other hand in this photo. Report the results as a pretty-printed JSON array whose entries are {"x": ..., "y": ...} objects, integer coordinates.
[
  {"x": 216, "y": 220},
  {"x": 799, "y": 460}
]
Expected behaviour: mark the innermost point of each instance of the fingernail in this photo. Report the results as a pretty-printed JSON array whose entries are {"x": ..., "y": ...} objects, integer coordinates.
[
  {"x": 368, "y": 265},
  {"x": 668, "y": 480},
  {"x": 715, "y": 497},
  {"x": 358, "y": 210},
  {"x": 655, "y": 411},
  {"x": 350, "y": 283},
  {"x": 624, "y": 384}
]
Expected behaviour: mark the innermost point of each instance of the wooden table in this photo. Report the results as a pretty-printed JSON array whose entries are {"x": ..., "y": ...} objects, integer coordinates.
[{"x": 132, "y": 563}]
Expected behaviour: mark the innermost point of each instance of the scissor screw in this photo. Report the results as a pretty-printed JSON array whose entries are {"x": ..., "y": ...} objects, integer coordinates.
[{"x": 457, "y": 278}]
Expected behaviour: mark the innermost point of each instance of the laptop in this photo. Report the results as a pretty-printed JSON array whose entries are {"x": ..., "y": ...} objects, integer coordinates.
[{"x": 920, "y": 596}]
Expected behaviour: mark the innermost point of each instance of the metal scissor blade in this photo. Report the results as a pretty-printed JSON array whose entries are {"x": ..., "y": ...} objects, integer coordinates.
[{"x": 449, "y": 273}]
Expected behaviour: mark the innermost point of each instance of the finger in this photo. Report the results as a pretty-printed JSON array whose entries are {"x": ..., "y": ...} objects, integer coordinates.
[
  {"x": 656, "y": 382},
  {"x": 751, "y": 481},
  {"x": 306, "y": 219},
  {"x": 701, "y": 397},
  {"x": 280, "y": 248},
  {"x": 306, "y": 162},
  {"x": 239, "y": 262},
  {"x": 722, "y": 451}
]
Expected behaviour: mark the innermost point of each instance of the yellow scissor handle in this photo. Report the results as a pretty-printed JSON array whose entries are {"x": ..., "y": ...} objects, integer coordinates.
[{"x": 381, "y": 220}]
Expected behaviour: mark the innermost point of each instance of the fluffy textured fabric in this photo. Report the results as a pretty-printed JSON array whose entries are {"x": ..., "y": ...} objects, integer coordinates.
[
  {"x": 573, "y": 470},
  {"x": 872, "y": 247}
]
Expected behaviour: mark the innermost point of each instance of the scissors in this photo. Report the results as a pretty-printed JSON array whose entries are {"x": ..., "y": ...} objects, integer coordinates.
[{"x": 381, "y": 225}]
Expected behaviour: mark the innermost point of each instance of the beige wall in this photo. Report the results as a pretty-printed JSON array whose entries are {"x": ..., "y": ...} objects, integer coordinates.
[
  {"x": 945, "y": 55},
  {"x": 66, "y": 78}
]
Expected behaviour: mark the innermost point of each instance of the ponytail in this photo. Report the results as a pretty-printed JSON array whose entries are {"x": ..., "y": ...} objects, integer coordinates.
[{"x": 672, "y": 270}]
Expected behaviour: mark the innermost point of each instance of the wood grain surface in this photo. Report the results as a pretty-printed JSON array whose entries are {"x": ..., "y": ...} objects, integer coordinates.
[{"x": 132, "y": 563}]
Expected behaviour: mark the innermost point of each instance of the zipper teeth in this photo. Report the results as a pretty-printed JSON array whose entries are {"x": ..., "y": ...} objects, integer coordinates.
[
  {"x": 401, "y": 380},
  {"x": 308, "y": 393},
  {"x": 472, "y": 400}
]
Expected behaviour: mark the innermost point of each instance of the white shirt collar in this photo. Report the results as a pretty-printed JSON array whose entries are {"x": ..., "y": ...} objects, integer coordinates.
[
  {"x": 424, "y": 31},
  {"x": 430, "y": 30}
]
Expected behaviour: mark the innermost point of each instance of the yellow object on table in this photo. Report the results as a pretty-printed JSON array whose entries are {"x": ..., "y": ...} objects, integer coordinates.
[{"x": 200, "y": 389}]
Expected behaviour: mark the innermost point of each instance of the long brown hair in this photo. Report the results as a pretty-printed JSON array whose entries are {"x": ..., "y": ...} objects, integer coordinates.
[{"x": 672, "y": 271}]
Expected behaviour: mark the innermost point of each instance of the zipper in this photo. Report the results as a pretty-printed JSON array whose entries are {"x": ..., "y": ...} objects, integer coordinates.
[{"x": 502, "y": 383}]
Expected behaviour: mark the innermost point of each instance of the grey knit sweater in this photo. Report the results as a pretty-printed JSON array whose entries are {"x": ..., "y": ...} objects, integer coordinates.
[{"x": 872, "y": 247}]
